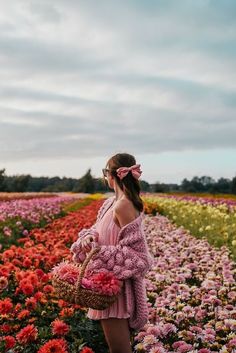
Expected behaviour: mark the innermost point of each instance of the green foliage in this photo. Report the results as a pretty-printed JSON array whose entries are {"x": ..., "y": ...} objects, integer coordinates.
[{"x": 76, "y": 205}]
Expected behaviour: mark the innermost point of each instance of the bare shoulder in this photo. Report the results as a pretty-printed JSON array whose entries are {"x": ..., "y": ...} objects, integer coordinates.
[{"x": 125, "y": 212}]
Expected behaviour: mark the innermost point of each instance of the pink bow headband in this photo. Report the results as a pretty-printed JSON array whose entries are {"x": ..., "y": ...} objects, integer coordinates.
[{"x": 134, "y": 169}]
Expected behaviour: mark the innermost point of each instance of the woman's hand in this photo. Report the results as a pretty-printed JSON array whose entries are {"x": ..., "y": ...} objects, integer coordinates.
[{"x": 86, "y": 242}]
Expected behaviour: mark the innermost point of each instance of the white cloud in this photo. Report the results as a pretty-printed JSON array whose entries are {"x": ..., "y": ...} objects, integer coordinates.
[{"x": 148, "y": 77}]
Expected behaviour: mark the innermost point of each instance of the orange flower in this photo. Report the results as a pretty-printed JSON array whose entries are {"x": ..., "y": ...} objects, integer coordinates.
[
  {"x": 62, "y": 303},
  {"x": 27, "y": 334},
  {"x": 59, "y": 327},
  {"x": 66, "y": 312}
]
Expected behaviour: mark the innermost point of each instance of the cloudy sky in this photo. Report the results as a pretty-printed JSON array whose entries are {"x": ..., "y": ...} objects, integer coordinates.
[{"x": 83, "y": 80}]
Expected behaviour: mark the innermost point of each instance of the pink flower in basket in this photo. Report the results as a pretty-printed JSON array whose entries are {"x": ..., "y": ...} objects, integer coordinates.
[
  {"x": 66, "y": 271},
  {"x": 101, "y": 282}
]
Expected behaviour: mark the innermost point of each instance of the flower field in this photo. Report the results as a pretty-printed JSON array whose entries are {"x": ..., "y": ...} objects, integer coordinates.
[
  {"x": 18, "y": 216},
  {"x": 191, "y": 291},
  {"x": 32, "y": 319},
  {"x": 191, "y": 288},
  {"x": 211, "y": 218}
]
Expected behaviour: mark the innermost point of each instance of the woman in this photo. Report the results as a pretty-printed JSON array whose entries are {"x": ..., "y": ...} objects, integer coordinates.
[{"x": 123, "y": 250}]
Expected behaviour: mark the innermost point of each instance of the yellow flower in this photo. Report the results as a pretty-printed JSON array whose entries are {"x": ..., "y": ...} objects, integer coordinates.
[{"x": 139, "y": 346}]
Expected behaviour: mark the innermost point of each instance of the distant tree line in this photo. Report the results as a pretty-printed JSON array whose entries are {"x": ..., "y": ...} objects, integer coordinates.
[
  {"x": 203, "y": 184},
  {"x": 88, "y": 184},
  {"x": 26, "y": 183}
]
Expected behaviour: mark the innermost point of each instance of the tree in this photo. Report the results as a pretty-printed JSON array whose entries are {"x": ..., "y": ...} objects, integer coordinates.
[
  {"x": 233, "y": 185},
  {"x": 160, "y": 187},
  {"x": 144, "y": 186},
  {"x": 187, "y": 186},
  {"x": 2, "y": 180},
  {"x": 86, "y": 183},
  {"x": 20, "y": 183}
]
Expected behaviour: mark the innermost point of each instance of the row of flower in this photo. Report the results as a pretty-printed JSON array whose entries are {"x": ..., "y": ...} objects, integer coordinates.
[
  {"x": 17, "y": 217},
  {"x": 192, "y": 293},
  {"x": 8, "y": 196},
  {"x": 32, "y": 318},
  {"x": 227, "y": 200},
  {"x": 216, "y": 223}
]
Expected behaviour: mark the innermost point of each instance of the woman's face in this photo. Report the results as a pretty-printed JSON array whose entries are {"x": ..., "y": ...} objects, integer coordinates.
[{"x": 109, "y": 178}]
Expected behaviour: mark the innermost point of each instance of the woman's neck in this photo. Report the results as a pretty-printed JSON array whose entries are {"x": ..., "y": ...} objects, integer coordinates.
[{"x": 119, "y": 194}]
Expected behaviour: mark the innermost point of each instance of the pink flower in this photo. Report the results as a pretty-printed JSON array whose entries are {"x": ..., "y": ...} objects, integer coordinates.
[
  {"x": 7, "y": 231},
  {"x": 67, "y": 271},
  {"x": 103, "y": 283},
  {"x": 3, "y": 283}
]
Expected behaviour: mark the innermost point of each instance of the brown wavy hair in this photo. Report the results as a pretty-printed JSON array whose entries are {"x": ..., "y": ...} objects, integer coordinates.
[{"x": 129, "y": 185}]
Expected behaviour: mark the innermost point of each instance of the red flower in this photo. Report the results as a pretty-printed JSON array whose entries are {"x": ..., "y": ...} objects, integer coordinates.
[
  {"x": 5, "y": 328},
  {"x": 5, "y": 306},
  {"x": 48, "y": 289},
  {"x": 17, "y": 308},
  {"x": 33, "y": 279},
  {"x": 87, "y": 350},
  {"x": 59, "y": 327},
  {"x": 38, "y": 296},
  {"x": 27, "y": 334},
  {"x": 54, "y": 346},
  {"x": 62, "y": 303},
  {"x": 31, "y": 303},
  {"x": 4, "y": 271},
  {"x": 9, "y": 341},
  {"x": 27, "y": 288},
  {"x": 27, "y": 262},
  {"x": 39, "y": 272},
  {"x": 24, "y": 313},
  {"x": 66, "y": 312}
]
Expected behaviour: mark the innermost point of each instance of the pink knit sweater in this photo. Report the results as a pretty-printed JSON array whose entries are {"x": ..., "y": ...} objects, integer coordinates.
[{"x": 129, "y": 260}]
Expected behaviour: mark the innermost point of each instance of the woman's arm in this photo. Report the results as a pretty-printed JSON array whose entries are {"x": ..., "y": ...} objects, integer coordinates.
[
  {"x": 76, "y": 249},
  {"x": 129, "y": 258}
]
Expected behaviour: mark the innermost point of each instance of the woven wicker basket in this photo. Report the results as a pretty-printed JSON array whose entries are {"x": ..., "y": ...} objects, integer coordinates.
[{"x": 76, "y": 294}]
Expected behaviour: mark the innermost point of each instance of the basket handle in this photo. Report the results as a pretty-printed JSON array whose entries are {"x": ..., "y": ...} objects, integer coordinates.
[{"x": 83, "y": 267}]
